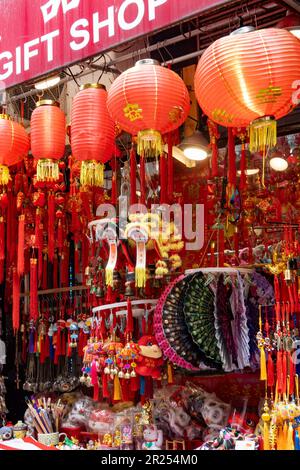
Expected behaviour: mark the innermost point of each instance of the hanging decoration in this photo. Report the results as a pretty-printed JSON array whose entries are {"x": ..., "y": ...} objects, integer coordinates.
[
  {"x": 48, "y": 130},
  {"x": 246, "y": 78},
  {"x": 14, "y": 146},
  {"x": 92, "y": 133}
]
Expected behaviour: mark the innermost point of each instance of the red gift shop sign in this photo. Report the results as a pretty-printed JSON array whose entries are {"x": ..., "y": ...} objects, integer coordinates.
[{"x": 38, "y": 36}]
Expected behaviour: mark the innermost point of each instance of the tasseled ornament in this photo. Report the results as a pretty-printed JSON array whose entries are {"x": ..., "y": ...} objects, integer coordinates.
[
  {"x": 16, "y": 301},
  {"x": 76, "y": 259},
  {"x": 142, "y": 179},
  {"x": 55, "y": 272},
  {"x": 149, "y": 142},
  {"x": 243, "y": 178},
  {"x": 290, "y": 438},
  {"x": 33, "y": 290},
  {"x": 5, "y": 177},
  {"x": 21, "y": 241},
  {"x": 133, "y": 198},
  {"x": 231, "y": 158},
  {"x": 163, "y": 178},
  {"x": 47, "y": 170},
  {"x": 45, "y": 273},
  {"x": 263, "y": 367},
  {"x": 170, "y": 168},
  {"x": 95, "y": 383},
  {"x": 170, "y": 373},
  {"x": 2, "y": 239},
  {"x": 292, "y": 373},
  {"x": 284, "y": 372},
  {"x": 279, "y": 372},
  {"x": 105, "y": 392},
  {"x": 263, "y": 134},
  {"x": 214, "y": 135},
  {"x": 51, "y": 227},
  {"x": 114, "y": 194},
  {"x": 270, "y": 371},
  {"x": 117, "y": 389},
  {"x": 60, "y": 235},
  {"x": 92, "y": 173},
  {"x": 129, "y": 325}
]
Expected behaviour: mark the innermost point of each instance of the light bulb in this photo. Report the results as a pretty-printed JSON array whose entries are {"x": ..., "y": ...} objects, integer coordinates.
[
  {"x": 195, "y": 153},
  {"x": 278, "y": 164}
]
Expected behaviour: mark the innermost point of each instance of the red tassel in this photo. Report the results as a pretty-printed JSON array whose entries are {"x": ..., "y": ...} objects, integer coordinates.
[
  {"x": 170, "y": 168},
  {"x": 214, "y": 135},
  {"x": 1, "y": 271},
  {"x": 133, "y": 199},
  {"x": 2, "y": 239},
  {"x": 163, "y": 179},
  {"x": 221, "y": 248},
  {"x": 231, "y": 158},
  {"x": 105, "y": 392},
  {"x": 21, "y": 241},
  {"x": 60, "y": 235},
  {"x": 279, "y": 371},
  {"x": 86, "y": 204},
  {"x": 129, "y": 326},
  {"x": 33, "y": 290},
  {"x": 76, "y": 260},
  {"x": 45, "y": 273},
  {"x": 55, "y": 272},
  {"x": 243, "y": 179},
  {"x": 51, "y": 226},
  {"x": 270, "y": 371},
  {"x": 284, "y": 372},
  {"x": 292, "y": 373},
  {"x": 143, "y": 179},
  {"x": 16, "y": 301},
  {"x": 114, "y": 182}
]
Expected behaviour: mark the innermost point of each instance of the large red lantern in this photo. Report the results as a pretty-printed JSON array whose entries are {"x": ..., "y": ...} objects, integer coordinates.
[
  {"x": 148, "y": 101},
  {"x": 14, "y": 145},
  {"x": 48, "y": 138},
  {"x": 92, "y": 133},
  {"x": 248, "y": 78}
]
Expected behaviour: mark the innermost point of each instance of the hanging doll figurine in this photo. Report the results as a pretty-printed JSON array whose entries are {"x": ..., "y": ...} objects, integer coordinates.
[{"x": 149, "y": 364}]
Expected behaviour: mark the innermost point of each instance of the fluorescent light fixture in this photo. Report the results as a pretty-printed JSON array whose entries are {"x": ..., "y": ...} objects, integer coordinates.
[
  {"x": 195, "y": 147},
  {"x": 47, "y": 83},
  {"x": 249, "y": 172},
  {"x": 180, "y": 157},
  {"x": 278, "y": 164}
]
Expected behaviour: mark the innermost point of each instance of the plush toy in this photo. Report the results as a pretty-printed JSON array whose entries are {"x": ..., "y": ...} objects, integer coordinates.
[
  {"x": 6, "y": 433},
  {"x": 150, "y": 358},
  {"x": 153, "y": 438}
]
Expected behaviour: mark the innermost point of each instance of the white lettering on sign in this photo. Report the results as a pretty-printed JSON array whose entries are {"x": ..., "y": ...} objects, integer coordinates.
[
  {"x": 152, "y": 5},
  {"x": 51, "y": 8},
  {"x": 109, "y": 23},
  {"x": 122, "y": 12},
  {"x": 83, "y": 33}
]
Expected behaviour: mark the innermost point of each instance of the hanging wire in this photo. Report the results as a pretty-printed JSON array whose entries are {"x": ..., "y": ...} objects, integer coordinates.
[{"x": 74, "y": 77}]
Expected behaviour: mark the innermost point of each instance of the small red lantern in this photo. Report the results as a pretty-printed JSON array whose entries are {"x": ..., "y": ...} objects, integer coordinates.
[
  {"x": 48, "y": 138},
  {"x": 92, "y": 133},
  {"x": 148, "y": 101},
  {"x": 248, "y": 78},
  {"x": 14, "y": 145}
]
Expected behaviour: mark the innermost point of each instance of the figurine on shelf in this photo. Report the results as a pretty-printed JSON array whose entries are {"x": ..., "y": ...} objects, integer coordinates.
[{"x": 153, "y": 438}]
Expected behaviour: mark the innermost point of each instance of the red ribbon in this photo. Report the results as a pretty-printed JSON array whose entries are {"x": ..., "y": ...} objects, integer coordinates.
[
  {"x": 21, "y": 241},
  {"x": 133, "y": 198},
  {"x": 16, "y": 301},
  {"x": 33, "y": 290}
]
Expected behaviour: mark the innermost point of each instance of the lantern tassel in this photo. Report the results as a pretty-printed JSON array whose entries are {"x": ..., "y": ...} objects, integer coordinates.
[
  {"x": 47, "y": 170},
  {"x": 117, "y": 389},
  {"x": 92, "y": 173},
  {"x": 163, "y": 179},
  {"x": 143, "y": 179},
  {"x": 5, "y": 177},
  {"x": 33, "y": 290},
  {"x": 263, "y": 134},
  {"x": 21, "y": 241},
  {"x": 231, "y": 158},
  {"x": 2, "y": 239},
  {"x": 263, "y": 366},
  {"x": 16, "y": 301},
  {"x": 149, "y": 143},
  {"x": 133, "y": 199},
  {"x": 243, "y": 179}
]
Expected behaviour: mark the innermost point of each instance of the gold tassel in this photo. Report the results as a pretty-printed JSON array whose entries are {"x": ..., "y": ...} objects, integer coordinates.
[
  {"x": 263, "y": 133},
  {"x": 266, "y": 419},
  {"x": 4, "y": 175},
  {"x": 284, "y": 436},
  {"x": 140, "y": 277},
  {"x": 47, "y": 170},
  {"x": 170, "y": 373},
  {"x": 92, "y": 173},
  {"x": 290, "y": 438},
  {"x": 117, "y": 389},
  {"x": 149, "y": 143},
  {"x": 109, "y": 277},
  {"x": 263, "y": 365}
]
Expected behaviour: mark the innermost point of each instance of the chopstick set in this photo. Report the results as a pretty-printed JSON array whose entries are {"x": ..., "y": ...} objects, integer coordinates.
[{"x": 46, "y": 416}]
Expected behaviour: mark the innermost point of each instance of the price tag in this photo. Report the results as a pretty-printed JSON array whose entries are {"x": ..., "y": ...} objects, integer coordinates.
[{"x": 244, "y": 445}]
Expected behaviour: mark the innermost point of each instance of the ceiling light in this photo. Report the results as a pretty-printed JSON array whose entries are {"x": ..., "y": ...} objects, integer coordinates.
[
  {"x": 278, "y": 164},
  {"x": 249, "y": 172},
  {"x": 47, "y": 83},
  {"x": 195, "y": 147},
  {"x": 180, "y": 157}
]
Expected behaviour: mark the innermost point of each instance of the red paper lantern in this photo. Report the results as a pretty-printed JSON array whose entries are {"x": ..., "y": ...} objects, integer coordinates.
[
  {"x": 248, "y": 78},
  {"x": 14, "y": 145},
  {"x": 48, "y": 138},
  {"x": 148, "y": 101},
  {"x": 92, "y": 133}
]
